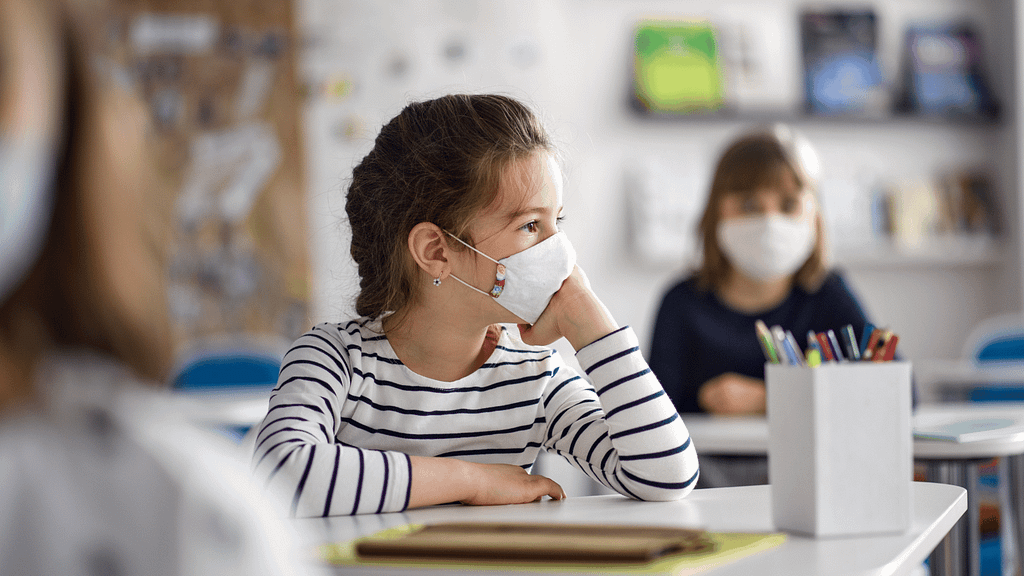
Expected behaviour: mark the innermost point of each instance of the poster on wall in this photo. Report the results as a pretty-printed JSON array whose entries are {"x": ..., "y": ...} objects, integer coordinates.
[{"x": 219, "y": 82}]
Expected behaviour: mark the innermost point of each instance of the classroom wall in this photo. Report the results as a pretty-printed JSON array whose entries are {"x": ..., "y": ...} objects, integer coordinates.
[{"x": 571, "y": 60}]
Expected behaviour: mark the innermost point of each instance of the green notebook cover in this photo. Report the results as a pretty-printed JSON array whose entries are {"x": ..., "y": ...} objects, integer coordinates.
[{"x": 676, "y": 67}]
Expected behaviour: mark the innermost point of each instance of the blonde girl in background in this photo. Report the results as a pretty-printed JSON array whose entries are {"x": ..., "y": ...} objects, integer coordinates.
[
  {"x": 433, "y": 394},
  {"x": 764, "y": 257}
]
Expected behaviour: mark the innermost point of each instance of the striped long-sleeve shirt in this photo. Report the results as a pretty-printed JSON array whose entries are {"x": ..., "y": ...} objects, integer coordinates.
[{"x": 346, "y": 413}]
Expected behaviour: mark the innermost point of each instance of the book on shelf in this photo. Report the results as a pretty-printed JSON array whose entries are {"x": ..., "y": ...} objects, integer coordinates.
[
  {"x": 942, "y": 73},
  {"x": 956, "y": 204},
  {"x": 842, "y": 74},
  {"x": 676, "y": 67},
  {"x": 969, "y": 204}
]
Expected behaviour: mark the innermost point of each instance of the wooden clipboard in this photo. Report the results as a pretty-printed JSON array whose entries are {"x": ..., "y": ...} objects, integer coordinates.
[{"x": 583, "y": 543}]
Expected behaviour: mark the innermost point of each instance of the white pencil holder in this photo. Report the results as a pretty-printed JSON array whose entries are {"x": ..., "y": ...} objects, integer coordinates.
[{"x": 840, "y": 448}]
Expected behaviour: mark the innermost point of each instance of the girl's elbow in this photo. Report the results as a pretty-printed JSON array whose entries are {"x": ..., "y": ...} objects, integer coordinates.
[
  {"x": 681, "y": 493},
  {"x": 667, "y": 486},
  {"x": 675, "y": 492}
]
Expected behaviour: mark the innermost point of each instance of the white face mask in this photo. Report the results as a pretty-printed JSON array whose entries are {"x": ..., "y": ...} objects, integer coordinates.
[
  {"x": 26, "y": 196},
  {"x": 766, "y": 247},
  {"x": 527, "y": 280}
]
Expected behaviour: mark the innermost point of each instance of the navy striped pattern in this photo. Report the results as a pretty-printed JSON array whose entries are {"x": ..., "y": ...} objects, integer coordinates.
[{"x": 347, "y": 413}]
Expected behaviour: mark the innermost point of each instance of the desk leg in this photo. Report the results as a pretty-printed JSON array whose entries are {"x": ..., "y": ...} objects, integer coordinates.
[
  {"x": 973, "y": 477},
  {"x": 1016, "y": 473},
  {"x": 955, "y": 556}
]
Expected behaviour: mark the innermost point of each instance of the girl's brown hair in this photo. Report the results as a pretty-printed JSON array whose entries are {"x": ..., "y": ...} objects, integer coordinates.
[
  {"x": 757, "y": 160},
  {"x": 438, "y": 161}
]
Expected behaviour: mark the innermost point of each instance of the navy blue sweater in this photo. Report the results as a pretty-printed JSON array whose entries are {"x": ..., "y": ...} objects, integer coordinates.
[{"x": 697, "y": 337}]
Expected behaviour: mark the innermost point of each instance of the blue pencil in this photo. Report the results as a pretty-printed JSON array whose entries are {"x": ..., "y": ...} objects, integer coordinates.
[
  {"x": 865, "y": 337},
  {"x": 798, "y": 354}
]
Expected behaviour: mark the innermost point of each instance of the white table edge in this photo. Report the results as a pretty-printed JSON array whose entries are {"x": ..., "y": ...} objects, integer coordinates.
[
  {"x": 914, "y": 553},
  {"x": 930, "y": 538}
]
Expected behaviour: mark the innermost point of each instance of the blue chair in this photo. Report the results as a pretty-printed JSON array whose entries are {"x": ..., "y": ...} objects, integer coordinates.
[
  {"x": 998, "y": 343},
  {"x": 230, "y": 367}
]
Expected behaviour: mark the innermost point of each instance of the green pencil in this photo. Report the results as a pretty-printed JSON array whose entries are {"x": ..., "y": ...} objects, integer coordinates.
[{"x": 767, "y": 345}]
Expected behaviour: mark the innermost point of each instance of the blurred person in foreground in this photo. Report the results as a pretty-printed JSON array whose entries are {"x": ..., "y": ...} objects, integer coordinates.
[{"x": 98, "y": 477}]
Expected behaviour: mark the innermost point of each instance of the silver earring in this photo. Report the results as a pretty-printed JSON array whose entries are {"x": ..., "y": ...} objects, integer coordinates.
[{"x": 437, "y": 281}]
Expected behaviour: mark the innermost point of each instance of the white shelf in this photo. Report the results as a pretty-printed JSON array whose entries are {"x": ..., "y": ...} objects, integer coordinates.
[
  {"x": 885, "y": 118},
  {"x": 935, "y": 251}
]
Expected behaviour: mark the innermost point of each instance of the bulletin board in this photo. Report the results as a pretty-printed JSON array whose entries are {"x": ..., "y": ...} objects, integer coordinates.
[{"x": 218, "y": 78}]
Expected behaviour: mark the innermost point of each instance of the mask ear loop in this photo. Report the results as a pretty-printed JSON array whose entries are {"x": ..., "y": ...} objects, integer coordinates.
[{"x": 499, "y": 278}]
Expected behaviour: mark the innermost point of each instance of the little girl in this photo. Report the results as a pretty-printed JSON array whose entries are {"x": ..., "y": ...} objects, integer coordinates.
[
  {"x": 764, "y": 257},
  {"x": 428, "y": 398},
  {"x": 763, "y": 242}
]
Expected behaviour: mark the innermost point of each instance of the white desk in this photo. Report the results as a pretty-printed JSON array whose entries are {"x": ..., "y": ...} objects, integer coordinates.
[
  {"x": 739, "y": 435},
  {"x": 221, "y": 406},
  {"x": 937, "y": 507},
  {"x": 1009, "y": 443},
  {"x": 949, "y": 462},
  {"x": 731, "y": 435}
]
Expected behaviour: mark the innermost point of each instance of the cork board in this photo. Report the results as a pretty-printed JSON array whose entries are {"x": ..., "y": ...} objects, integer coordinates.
[{"x": 218, "y": 79}]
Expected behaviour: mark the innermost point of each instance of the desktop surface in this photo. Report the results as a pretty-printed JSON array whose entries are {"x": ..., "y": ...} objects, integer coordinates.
[
  {"x": 744, "y": 509},
  {"x": 748, "y": 435}
]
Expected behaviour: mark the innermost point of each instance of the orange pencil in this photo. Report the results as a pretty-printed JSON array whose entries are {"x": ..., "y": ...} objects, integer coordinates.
[
  {"x": 872, "y": 342},
  {"x": 878, "y": 354},
  {"x": 890, "y": 348},
  {"x": 826, "y": 348}
]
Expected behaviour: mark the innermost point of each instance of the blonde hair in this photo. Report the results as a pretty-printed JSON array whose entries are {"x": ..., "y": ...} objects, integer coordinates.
[{"x": 755, "y": 160}]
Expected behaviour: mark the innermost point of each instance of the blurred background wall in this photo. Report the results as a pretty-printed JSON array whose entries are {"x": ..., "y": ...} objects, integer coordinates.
[{"x": 634, "y": 180}]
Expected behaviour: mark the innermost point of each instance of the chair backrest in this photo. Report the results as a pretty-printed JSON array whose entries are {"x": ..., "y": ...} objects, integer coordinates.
[
  {"x": 996, "y": 341},
  {"x": 229, "y": 362},
  {"x": 237, "y": 369},
  {"x": 232, "y": 368}
]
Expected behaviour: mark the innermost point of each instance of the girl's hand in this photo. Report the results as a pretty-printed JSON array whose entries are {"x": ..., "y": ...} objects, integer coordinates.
[
  {"x": 574, "y": 312},
  {"x": 732, "y": 394},
  {"x": 443, "y": 480},
  {"x": 508, "y": 484}
]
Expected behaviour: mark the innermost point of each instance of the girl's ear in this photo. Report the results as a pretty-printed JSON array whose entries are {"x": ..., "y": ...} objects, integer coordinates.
[{"x": 429, "y": 248}]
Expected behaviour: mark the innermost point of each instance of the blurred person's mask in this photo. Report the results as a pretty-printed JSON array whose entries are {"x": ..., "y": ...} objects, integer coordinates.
[
  {"x": 527, "y": 280},
  {"x": 26, "y": 199},
  {"x": 766, "y": 247}
]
